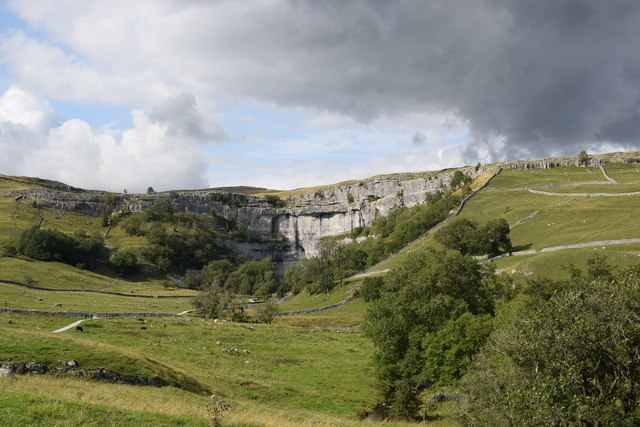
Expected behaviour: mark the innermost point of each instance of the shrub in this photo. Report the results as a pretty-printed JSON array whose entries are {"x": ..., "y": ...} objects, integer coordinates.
[
  {"x": 275, "y": 201},
  {"x": 159, "y": 211},
  {"x": 350, "y": 198},
  {"x": 124, "y": 262}
]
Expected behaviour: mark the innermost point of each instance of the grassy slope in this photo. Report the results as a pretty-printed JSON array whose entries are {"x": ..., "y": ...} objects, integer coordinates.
[
  {"x": 560, "y": 220},
  {"x": 299, "y": 374}
]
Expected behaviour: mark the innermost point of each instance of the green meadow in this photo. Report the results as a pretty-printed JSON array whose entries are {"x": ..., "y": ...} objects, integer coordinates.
[{"x": 309, "y": 369}]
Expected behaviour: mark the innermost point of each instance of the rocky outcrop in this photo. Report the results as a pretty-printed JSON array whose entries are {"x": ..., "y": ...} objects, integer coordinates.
[
  {"x": 283, "y": 234},
  {"x": 14, "y": 368}
]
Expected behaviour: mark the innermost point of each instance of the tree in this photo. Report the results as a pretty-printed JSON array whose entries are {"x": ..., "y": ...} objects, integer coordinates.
[
  {"x": 150, "y": 190},
  {"x": 275, "y": 201},
  {"x": 321, "y": 269},
  {"x": 583, "y": 158},
  {"x": 160, "y": 210},
  {"x": 213, "y": 301},
  {"x": 124, "y": 262},
  {"x": 459, "y": 178},
  {"x": 495, "y": 237},
  {"x": 448, "y": 352},
  {"x": 570, "y": 355},
  {"x": 108, "y": 203},
  {"x": 417, "y": 299},
  {"x": 460, "y": 234},
  {"x": 267, "y": 312},
  {"x": 468, "y": 238}
]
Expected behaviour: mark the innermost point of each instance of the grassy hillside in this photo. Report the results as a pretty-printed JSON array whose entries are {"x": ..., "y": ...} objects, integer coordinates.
[
  {"x": 302, "y": 368},
  {"x": 556, "y": 219}
]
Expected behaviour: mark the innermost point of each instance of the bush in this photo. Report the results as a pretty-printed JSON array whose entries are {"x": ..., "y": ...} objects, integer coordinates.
[
  {"x": 275, "y": 201},
  {"x": 568, "y": 355},
  {"x": 124, "y": 262},
  {"x": 49, "y": 245},
  {"x": 267, "y": 312},
  {"x": 159, "y": 211},
  {"x": 133, "y": 226}
]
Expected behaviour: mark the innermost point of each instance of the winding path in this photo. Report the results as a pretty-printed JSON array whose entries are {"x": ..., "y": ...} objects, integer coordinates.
[
  {"x": 561, "y": 247},
  {"x": 76, "y": 323}
]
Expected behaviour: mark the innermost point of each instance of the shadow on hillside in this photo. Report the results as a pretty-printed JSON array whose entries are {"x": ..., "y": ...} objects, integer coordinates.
[{"x": 522, "y": 247}]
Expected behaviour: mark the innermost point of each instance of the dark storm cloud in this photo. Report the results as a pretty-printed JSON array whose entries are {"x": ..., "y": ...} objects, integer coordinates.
[{"x": 545, "y": 76}]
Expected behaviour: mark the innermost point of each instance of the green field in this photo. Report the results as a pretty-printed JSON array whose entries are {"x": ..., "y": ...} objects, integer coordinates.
[{"x": 302, "y": 369}]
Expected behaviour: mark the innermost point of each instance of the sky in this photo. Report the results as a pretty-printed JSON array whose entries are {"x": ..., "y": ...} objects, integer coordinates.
[{"x": 187, "y": 94}]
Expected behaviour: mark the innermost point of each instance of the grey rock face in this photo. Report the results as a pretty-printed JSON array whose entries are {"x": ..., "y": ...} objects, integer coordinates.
[{"x": 284, "y": 234}]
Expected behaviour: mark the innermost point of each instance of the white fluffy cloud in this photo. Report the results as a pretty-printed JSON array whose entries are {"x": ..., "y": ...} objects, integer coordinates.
[
  {"x": 516, "y": 79},
  {"x": 150, "y": 153}
]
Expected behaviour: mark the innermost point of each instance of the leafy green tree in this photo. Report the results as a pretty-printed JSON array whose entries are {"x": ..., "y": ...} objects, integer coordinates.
[
  {"x": 321, "y": 269},
  {"x": 252, "y": 276},
  {"x": 494, "y": 237},
  {"x": 417, "y": 299},
  {"x": 124, "y": 262},
  {"x": 275, "y": 201},
  {"x": 583, "y": 158},
  {"x": 569, "y": 355},
  {"x": 108, "y": 205},
  {"x": 217, "y": 271},
  {"x": 150, "y": 190},
  {"x": 448, "y": 353},
  {"x": 133, "y": 225},
  {"x": 371, "y": 288},
  {"x": 468, "y": 238},
  {"x": 460, "y": 234},
  {"x": 458, "y": 179},
  {"x": 53, "y": 245},
  {"x": 160, "y": 210},
  {"x": 213, "y": 301},
  {"x": 267, "y": 312}
]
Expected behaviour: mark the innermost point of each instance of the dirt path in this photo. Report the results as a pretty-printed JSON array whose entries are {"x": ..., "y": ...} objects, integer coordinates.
[
  {"x": 549, "y": 193},
  {"x": 561, "y": 247},
  {"x": 76, "y": 323}
]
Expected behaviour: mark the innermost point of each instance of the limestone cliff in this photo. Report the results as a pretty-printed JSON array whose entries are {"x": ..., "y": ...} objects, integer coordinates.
[{"x": 285, "y": 234}]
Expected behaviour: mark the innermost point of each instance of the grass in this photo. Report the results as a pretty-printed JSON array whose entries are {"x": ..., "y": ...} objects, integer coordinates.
[
  {"x": 287, "y": 367},
  {"x": 624, "y": 173},
  {"x": 350, "y": 314},
  {"x": 131, "y": 405},
  {"x": 304, "y": 300},
  {"x": 63, "y": 276},
  {"x": 553, "y": 264},
  {"x": 521, "y": 178},
  {"x": 20, "y": 409},
  {"x": 598, "y": 188},
  {"x": 17, "y": 297}
]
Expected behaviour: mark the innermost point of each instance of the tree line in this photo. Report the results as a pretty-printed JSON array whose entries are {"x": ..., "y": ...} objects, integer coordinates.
[{"x": 536, "y": 352}]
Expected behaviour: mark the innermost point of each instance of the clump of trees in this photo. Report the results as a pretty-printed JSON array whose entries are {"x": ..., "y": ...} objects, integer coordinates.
[
  {"x": 469, "y": 238},
  {"x": 178, "y": 241},
  {"x": 53, "y": 245},
  {"x": 124, "y": 262},
  {"x": 568, "y": 355},
  {"x": 459, "y": 178},
  {"x": 275, "y": 201},
  {"x": 221, "y": 280},
  {"x": 427, "y": 319},
  {"x": 544, "y": 352}
]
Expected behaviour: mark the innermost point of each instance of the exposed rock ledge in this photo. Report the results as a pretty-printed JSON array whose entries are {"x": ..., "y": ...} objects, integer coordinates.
[{"x": 284, "y": 234}]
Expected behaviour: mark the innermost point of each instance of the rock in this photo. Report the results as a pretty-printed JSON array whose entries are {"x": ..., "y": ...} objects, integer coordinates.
[{"x": 6, "y": 373}]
